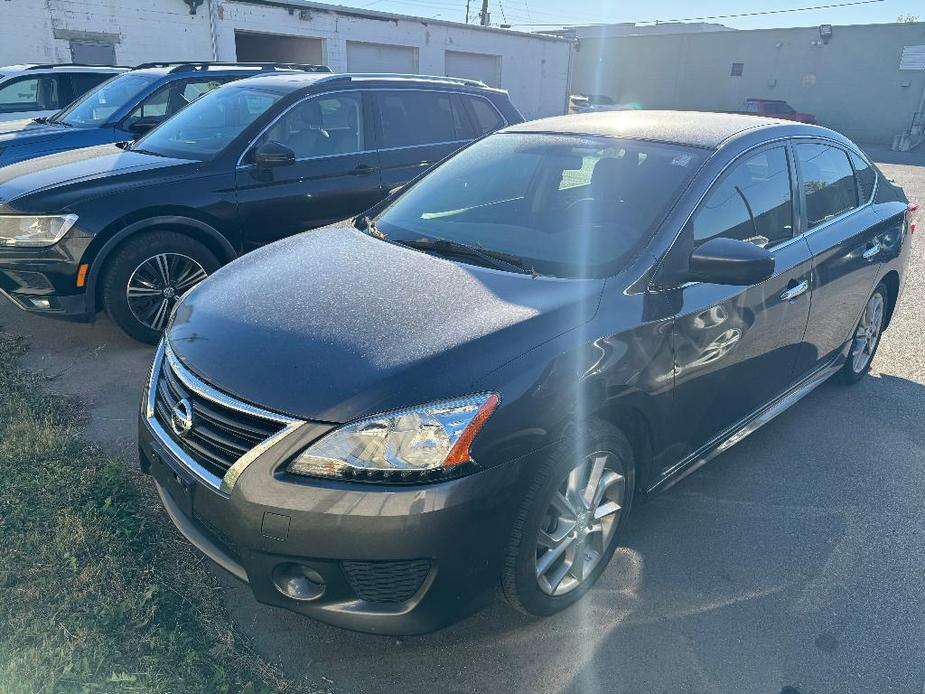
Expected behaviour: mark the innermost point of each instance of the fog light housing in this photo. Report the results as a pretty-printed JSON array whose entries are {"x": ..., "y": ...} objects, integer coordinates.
[
  {"x": 40, "y": 304},
  {"x": 298, "y": 581}
]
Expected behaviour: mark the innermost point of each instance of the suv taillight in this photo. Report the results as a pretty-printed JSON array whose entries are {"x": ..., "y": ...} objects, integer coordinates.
[{"x": 910, "y": 215}]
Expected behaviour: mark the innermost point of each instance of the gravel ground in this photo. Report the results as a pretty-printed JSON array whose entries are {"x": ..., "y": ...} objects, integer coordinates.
[{"x": 796, "y": 560}]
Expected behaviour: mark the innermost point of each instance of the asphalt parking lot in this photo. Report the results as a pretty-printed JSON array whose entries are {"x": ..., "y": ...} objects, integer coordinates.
[{"x": 795, "y": 560}]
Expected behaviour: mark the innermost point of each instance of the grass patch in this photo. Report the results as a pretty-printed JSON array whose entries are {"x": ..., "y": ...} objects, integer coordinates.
[{"x": 97, "y": 590}]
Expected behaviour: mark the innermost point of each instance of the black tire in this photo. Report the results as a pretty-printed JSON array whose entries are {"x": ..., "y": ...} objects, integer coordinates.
[
  {"x": 131, "y": 256},
  {"x": 849, "y": 373},
  {"x": 519, "y": 582}
]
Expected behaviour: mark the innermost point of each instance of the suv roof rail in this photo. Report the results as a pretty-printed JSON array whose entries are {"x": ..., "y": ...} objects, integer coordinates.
[
  {"x": 407, "y": 76},
  {"x": 191, "y": 65},
  {"x": 46, "y": 66}
]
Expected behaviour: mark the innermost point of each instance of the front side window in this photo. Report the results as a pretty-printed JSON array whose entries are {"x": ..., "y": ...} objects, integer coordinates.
[
  {"x": 322, "y": 126},
  {"x": 412, "y": 118},
  {"x": 170, "y": 98},
  {"x": 210, "y": 124},
  {"x": 98, "y": 105},
  {"x": 562, "y": 205},
  {"x": 751, "y": 202},
  {"x": 828, "y": 182}
]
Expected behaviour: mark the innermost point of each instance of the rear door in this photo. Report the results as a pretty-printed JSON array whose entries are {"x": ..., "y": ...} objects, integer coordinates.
[
  {"x": 335, "y": 175},
  {"x": 736, "y": 347},
  {"x": 846, "y": 238},
  {"x": 417, "y": 129}
]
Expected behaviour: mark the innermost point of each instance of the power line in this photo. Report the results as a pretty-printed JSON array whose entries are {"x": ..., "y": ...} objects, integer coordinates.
[{"x": 758, "y": 13}]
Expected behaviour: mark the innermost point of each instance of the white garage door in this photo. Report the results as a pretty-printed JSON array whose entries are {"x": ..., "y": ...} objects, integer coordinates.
[
  {"x": 381, "y": 57},
  {"x": 474, "y": 66}
]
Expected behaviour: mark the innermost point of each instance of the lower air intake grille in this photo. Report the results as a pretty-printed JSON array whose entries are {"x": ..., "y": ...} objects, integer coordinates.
[{"x": 386, "y": 581}]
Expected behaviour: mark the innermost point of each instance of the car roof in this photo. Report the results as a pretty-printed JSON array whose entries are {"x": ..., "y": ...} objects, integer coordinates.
[
  {"x": 66, "y": 67},
  {"x": 292, "y": 81},
  {"x": 694, "y": 128}
]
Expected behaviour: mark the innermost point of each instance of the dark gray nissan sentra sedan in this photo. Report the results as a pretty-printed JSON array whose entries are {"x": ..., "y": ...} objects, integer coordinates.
[{"x": 375, "y": 424}]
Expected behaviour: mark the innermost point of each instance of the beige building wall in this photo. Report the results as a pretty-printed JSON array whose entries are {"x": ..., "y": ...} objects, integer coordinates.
[{"x": 852, "y": 83}]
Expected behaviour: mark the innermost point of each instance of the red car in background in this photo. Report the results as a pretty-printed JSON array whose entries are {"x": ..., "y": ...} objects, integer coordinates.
[{"x": 776, "y": 108}]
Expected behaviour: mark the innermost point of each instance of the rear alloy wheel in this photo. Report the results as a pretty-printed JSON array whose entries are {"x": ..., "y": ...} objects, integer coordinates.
[
  {"x": 148, "y": 275},
  {"x": 568, "y": 524},
  {"x": 866, "y": 337}
]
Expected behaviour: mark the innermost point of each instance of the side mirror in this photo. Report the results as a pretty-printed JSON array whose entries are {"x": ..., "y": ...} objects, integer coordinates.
[
  {"x": 271, "y": 154},
  {"x": 729, "y": 261},
  {"x": 143, "y": 125}
]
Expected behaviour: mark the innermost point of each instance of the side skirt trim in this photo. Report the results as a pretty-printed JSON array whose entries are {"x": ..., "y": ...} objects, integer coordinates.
[{"x": 749, "y": 425}]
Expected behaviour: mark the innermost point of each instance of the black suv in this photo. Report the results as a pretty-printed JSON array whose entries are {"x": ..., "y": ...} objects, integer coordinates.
[{"x": 130, "y": 227}]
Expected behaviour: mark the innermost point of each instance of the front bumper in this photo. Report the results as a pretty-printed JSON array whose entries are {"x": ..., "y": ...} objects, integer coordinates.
[
  {"x": 44, "y": 280},
  {"x": 394, "y": 559}
]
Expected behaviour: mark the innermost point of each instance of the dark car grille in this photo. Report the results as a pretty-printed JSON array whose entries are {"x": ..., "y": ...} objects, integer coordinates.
[
  {"x": 219, "y": 435},
  {"x": 386, "y": 581}
]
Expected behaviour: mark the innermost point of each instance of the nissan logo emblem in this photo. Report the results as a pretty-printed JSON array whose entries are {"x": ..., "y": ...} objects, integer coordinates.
[{"x": 181, "y": 418}]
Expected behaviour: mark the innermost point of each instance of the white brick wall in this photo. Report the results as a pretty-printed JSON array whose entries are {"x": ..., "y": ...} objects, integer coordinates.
[{"x": 534, "y": 70}]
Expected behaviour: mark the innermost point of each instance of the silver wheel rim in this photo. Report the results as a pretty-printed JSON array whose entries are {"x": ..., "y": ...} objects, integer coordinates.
[
  {"x": 578, "y": 525},
  {"x": 868, "y": 333},
  {"x": 158, "y": 283}
]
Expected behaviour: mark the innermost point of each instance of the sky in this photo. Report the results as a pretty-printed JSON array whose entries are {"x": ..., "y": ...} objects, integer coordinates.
[{"x": 531, "y": 14}]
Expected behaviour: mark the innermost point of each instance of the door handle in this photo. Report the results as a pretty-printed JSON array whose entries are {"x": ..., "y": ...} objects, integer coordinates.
[
  {"x": 362, "y": 170},
  {"x": 793, "y": 292},
  {"x": 873, "y": 250}
]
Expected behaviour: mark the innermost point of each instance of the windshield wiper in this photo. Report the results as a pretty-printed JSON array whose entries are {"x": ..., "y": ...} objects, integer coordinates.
[
  {"x": 369, "y": 226},
  {"x": 492, "y": 258},
  {"x": 41, "y": 119}
]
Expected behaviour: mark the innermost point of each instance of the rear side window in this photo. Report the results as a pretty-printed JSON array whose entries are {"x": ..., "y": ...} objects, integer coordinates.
[
  {"x": 412, "y": 118},
  {"x": 865, "y": 176},
  {"x": 752, "y": 202},
  {"x": 828, "y": 182},
  {"x": 487, "y": 118}
]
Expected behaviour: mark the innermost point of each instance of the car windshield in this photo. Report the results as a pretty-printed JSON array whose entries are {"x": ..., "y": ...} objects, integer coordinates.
[
  {"x": 567, "y": 206},
  {"x": 209, "y": 124},
  {"x": 98, "y": 105}
]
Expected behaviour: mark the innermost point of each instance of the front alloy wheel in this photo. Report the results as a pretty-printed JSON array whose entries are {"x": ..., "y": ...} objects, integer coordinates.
[
  {"x": 158, "y": 283},
  {"x": 579, "y": 524},
  {"x": 568, "y": 523},
  {"x": 146, "y": 277}
]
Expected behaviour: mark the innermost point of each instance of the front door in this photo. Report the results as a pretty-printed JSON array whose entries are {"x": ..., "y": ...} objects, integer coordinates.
[
  {"x": 736, "y": 347},
  {"x": 335, "y": 174}
]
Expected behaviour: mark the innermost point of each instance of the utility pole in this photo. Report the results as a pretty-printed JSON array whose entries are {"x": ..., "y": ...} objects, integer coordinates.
[
  {"x": 484, "y": 15},
  {"x": 467, "y": 11}
]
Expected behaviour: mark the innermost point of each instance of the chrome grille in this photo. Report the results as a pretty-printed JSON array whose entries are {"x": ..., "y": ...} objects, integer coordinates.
[{"x": 222, "y": 432}]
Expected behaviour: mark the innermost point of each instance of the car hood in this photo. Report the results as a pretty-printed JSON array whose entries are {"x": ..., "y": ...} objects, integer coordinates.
[
  {"x": 333, "y": 324},
  {"x": 76, "y": 167},
  {"x": 16, "y": 132}
]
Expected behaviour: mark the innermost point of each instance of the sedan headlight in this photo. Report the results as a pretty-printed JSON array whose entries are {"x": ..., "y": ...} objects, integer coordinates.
[
  {"x": 419, "y": 443},
  {"x": 30, "y": 231}
]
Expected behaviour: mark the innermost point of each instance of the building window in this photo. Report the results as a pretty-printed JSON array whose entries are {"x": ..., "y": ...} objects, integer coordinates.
[{"x": 737, "y": 69}]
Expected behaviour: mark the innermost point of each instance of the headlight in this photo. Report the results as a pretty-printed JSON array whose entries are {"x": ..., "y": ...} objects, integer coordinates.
[
  {"x": 29, "y": 231},
  {"x": 419, "y": 443}
]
